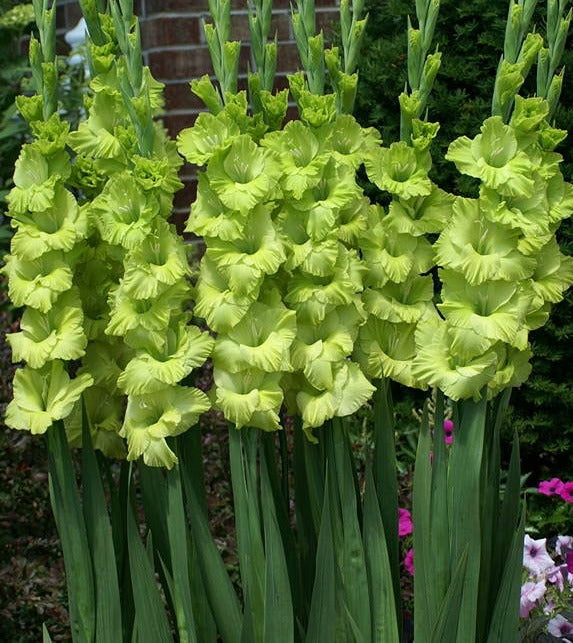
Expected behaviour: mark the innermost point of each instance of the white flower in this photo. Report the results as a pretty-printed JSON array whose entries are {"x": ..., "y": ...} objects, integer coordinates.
[{"x": 535, "y": 557}]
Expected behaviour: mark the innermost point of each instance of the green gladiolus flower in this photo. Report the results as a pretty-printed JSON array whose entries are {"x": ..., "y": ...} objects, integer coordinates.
[
  {"x": 347, "y": 141},
  {"x": 100, "y": 135},
  {"x": 393, "y": 256},
  {"x": 387, "y": 349},
  {"x": 405, "y": 302},
  {"x": 143, "y": 318},
  {"x": 479, "y": 249},
  {"x": 495, "y": 158},
  {"x": 185, "y": 347},
  {"x": 436, "y": 364},
  {"x": 400, "y": 170},
  {"x": 159, "y": 262},
  {"x": 216, "y": 302},
  {"x": 421, "y": 215},
  {"x": 261, "y": 340},
  {"x": 335, "y": 189},
  {"x": 124, "y": 214},
  {"x": 553, "y": 273},
  {"x": 105, "y": 417},
  {"x": 513, "y": 368},
  {"x": 210, "y": 218},
  {"x": 59, "y": 227},
  {"x": 149, "y": 419},
  {"x": 298, "y": 151},
  {"x": 349, "y": 392},
  {"x": 39, "y": 282},
  {"x": 249, "y": 398},
  {"x": 51, "y": 134},
  {"x": 313, "y": 297},
  {"x": 43, "y": 396},
  {"x": 494, "y": 309},
  {"x": 243, "y": 175},
  {"x": 105, "y": 360},
  {"x": 311, "y": 256},
  {"x": 246, "y": 261},
  {"x": 58, "y": 334},
  {"x": 208, "y": 135},
  {"x": 318, "y": 349},
  {"x": 35, "y": 178}
]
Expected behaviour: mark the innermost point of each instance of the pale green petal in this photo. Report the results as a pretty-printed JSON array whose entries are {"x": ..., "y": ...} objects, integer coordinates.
[
  {"x": 43, "y": 396},
  {"x": 208, "y": 135}
]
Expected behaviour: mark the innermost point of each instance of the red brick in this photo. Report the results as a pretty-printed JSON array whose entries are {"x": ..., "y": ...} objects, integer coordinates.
[
  {"x": 240, "y": 26},
  {"x": 180, "y": 64},
  {"x": 73, "y": 13},
  {"x": 177, "y": 122},
  {"x": 287, "y": 58},
  {"x": 327, "y": 20},
  {"x": 159, "y": 6},
  {"x": 180, "y": 96},
  {"x": 157, "y": 32}
]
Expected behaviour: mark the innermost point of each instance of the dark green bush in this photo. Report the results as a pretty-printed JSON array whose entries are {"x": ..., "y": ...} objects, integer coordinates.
[{"x": 470, "y": 36}]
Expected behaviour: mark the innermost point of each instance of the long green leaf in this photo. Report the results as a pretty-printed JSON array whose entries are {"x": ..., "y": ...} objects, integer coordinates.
[
  {"x": 464, "y": 481},
  {"x": 322, "y": 618},
  {"x": 45, "y": 634},
  {"x": 505, "y": 621},
  {"x": 69, "y": 518},
  {"x": 424, "y": 605},
  {"x": 150, "y": 617},
  {"x": 99, "y": 534},
  {"x": 279, "y": 617},
  {"x": 384, "y": 471},
  {"x": 382, "y": 604},
  {"x": 218, "y": 587},
  {"x": 351, "y": 556},
  {"x": 439, "y": 570},
  {"x": 177, "y": 534},
  {"x": 447, "y": 623},
  {"x": 243, "y": 452}
]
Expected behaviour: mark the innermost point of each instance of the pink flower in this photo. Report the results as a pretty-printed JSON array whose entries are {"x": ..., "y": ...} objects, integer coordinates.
[
  {"x": 448, "y": 431},
  {"x": 405, "y": 525},
  {"x": 409, "y": 561},
  {"x": 535, "y": 556},
  {"x": 559, "y": 626},
  {"x": 569, "y": 562},
  {"x": 563, "y": 544},
  {"x": 550, "y": 487},
  {"x": 555, "y": 575},
  {"x": 530, "y": 594},
  {"x": 566, "y": 492}
]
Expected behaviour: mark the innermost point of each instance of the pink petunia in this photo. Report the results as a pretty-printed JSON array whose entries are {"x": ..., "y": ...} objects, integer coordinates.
[
  {"x": 569, "y": 562},
  {"x": 550, "y": 487},
  {"x": 566, "y": 492},
  {"x": 405, "y": 526},
  {"x": 409, "y": 561},
  {"x": 556, "y": 576},
  {"x": 563, "y": 544},
  {"x": 559, "y": 626},
  {"x": 535, "y": 556},
  {"x": 448, "y": 426},
  {"x": 530, "y": 594}
]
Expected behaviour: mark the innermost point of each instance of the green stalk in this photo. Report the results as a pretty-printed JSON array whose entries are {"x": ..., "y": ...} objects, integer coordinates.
[{"x": 385, "y": 480}]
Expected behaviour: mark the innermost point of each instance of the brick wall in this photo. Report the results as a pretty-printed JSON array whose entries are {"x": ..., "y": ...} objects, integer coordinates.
[{"x": 175, "y": 49}]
